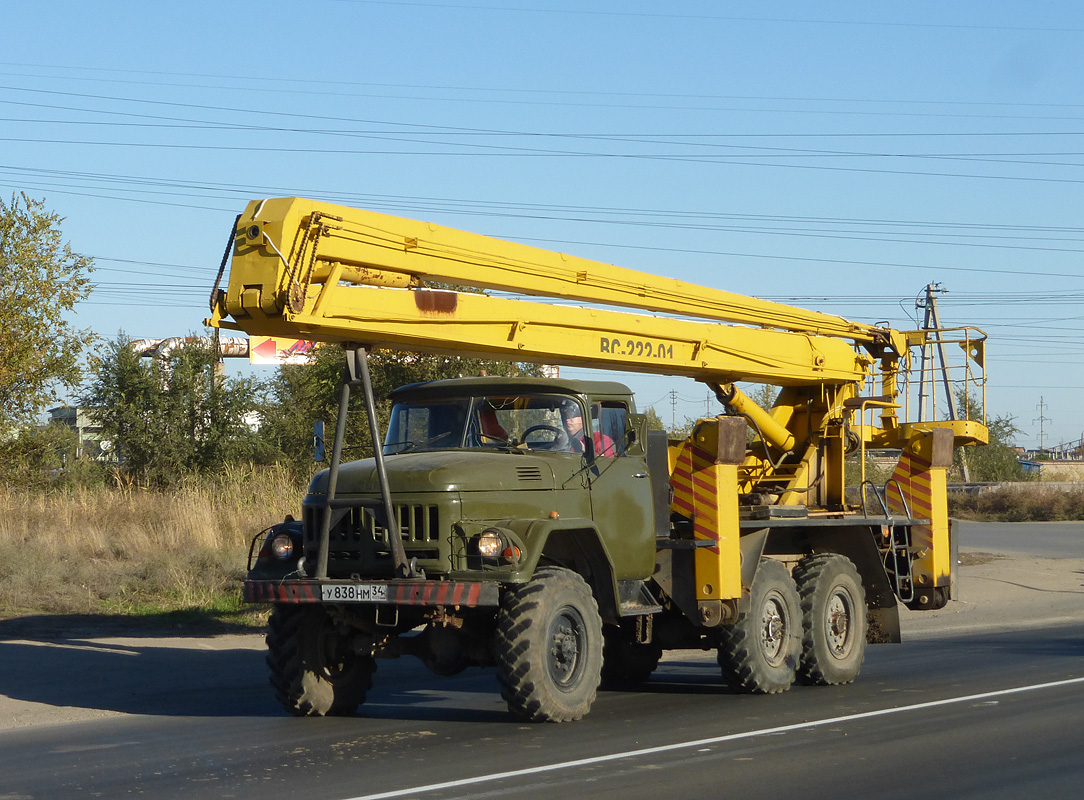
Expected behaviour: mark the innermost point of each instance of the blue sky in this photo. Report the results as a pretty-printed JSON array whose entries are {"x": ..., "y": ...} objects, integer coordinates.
[{"x": 839, "y": 156}]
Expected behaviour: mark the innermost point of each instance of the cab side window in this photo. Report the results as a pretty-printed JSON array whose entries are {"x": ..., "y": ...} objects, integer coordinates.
[{"x": 608, "y": 419}]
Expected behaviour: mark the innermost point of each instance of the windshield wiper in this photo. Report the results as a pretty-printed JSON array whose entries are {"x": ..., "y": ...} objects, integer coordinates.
[{"x": 512, "y": 446}]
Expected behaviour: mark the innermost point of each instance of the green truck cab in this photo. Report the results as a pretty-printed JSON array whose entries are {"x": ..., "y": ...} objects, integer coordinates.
[{"x": 526, "y": 512}]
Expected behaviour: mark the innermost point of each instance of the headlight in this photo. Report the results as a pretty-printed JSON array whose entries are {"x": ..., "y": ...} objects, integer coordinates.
[
  {"x": 490, "y": 544},
  {"x": 282, "y": 547}
]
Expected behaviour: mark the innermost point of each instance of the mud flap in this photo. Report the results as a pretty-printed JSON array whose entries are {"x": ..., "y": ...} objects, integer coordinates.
[{"x": 883, "y": 625}]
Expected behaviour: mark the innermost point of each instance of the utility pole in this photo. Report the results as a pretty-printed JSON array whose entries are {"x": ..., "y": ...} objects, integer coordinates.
[
  {"x": 673, "y": 409},
  {"x": 931, "y": 348},
  {"x": 1042, "y": 419}
]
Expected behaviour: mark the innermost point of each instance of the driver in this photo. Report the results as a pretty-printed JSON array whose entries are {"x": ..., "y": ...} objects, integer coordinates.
[{"x": 573, "y": 419}]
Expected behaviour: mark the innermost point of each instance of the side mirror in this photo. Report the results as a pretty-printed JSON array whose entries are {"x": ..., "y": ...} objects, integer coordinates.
[
  {"x": 636, "y": 434},
  {"x": 318, "y": 448}
]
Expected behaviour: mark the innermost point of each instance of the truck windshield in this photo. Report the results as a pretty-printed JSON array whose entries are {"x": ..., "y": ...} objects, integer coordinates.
[{"x": 522, "y": 421}]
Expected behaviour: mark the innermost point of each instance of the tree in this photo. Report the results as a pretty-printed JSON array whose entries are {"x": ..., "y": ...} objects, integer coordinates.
[
  {"x": 298, "y": 396},
  {"x": 654, "y": 422},
  {"x": 763, "y": 394},
  {"x": 168, "y": 418},
  {"x": 39, "y": 456},
  {"x": 41, "y": 280},
  {"x": 996, "y": 461},
  {"x": 302, "y": 394}
]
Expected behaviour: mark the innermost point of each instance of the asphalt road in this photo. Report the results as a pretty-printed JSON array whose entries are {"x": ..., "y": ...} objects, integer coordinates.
[
  {"x": 997, "y": 711},
  {"x": 1045, "y": 539}
]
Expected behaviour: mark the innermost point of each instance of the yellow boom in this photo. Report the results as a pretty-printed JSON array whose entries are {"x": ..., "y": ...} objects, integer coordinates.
[{"x": 303, "y": 268}]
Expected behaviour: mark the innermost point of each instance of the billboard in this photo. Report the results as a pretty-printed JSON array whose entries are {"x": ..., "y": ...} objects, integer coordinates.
[{"x": 278, "y": 350}]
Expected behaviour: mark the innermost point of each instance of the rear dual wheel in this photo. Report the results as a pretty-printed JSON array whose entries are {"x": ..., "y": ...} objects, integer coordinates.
[
  {"x": 810, "y": 626},
  {"x": 833, "y": 619},
  {"x": 759, "y": 652}
]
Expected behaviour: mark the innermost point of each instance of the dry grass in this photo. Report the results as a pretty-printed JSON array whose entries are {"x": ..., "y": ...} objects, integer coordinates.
[
  {"x": 1030, "y": 503},
  {"x": 130, "y": 551}
]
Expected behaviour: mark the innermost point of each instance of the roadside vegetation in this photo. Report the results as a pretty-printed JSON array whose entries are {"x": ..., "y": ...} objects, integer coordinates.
[
  {"x": 133, "y": 551},
  {"x": 1030, "y": 502}
]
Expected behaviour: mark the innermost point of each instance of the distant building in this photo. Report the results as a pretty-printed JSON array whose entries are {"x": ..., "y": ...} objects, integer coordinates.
[{"x": 86, "y": 428}]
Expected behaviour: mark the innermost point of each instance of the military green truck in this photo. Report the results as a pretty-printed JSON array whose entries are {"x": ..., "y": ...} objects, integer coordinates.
[{"x": 518, "y": 541}]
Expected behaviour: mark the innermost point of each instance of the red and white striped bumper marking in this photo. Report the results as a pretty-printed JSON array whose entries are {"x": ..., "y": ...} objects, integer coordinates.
[{"x": 400, "y": 593}]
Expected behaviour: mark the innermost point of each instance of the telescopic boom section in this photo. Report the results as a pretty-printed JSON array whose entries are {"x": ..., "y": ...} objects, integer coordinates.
[{"x": 305, "y": 269}]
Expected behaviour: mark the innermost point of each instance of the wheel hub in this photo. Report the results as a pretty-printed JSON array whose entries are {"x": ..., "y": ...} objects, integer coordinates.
[
  {"x": 773, "y": 630},
  {"x": 565, "y": 644},
  {"x": 838, "y": 628}
]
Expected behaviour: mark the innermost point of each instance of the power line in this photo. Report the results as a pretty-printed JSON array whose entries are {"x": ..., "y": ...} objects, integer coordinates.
[
  {"x": 613, "y": 216},
  {"x": 508, "y": 153},
  {"x": 684, "y": 140},
  {"x": 505, "y": 151},
  {"x": 707, "y": 17},
  {"x": 602, "y": 214},
  {"x": 306, "y": 87},
  {"x": 840, "y": 261}
]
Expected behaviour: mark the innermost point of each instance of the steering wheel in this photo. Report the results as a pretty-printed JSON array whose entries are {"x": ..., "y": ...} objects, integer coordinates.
[{"x": 560, "y": 436}]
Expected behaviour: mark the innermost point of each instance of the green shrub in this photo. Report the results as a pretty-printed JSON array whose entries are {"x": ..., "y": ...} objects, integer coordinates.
[{"x": 44, "y": 458}]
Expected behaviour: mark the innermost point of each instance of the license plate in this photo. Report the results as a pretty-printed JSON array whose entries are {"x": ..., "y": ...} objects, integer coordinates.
[{"x": 354, "y": 592}]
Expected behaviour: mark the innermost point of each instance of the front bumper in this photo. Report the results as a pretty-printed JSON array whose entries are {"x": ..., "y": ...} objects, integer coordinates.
[{"x": 467, "y": 594}]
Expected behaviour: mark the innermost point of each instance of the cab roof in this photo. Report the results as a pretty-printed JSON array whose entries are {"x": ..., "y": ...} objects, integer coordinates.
[{"x": 519, "y": 385}]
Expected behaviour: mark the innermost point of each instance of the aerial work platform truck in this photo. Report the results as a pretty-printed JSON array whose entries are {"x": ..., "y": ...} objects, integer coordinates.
[{"x": 536, "y": 525}]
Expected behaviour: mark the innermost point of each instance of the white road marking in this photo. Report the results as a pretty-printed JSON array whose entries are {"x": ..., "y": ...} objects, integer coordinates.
[
  {"x": 648, "y": 751},
  {"x": 90, "y": 648}
]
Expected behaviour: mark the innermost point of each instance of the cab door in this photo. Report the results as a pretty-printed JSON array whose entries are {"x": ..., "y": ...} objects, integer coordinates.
[{"x": 621, "y": 496}]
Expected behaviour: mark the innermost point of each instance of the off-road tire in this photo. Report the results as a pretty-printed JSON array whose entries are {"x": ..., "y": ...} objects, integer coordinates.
[
  {"x": 833, "y": 620},
  {"x": 759, "y": 652},
  {"x": 549, "y": 647},
  {"x": 314, "y": 671},
  {"x": 626, "y": 663}
]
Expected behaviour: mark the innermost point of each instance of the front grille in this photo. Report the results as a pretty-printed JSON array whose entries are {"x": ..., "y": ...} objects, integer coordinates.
[{"x": 358, "y": 544}]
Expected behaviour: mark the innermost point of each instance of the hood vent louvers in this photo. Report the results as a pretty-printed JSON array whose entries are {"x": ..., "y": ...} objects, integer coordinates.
[{"x": 529, "y": 474}]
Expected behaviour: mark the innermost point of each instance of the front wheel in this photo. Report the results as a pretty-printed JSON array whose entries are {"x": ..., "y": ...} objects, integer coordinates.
[
  {"x": 759, "y": 652},
  {"x": 549, "y": 647},
  {"x": 315, "y": 671}
]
